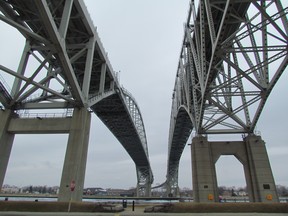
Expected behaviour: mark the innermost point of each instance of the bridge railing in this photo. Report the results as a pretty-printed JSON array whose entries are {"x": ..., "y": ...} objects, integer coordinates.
[
  {"x": 5, "y": 84},
  {"x": 136, "y": 117},
  {"x": 27, "y": 114}
]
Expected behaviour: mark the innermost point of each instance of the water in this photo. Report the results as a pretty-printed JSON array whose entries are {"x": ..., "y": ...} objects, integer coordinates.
[
  {"x": 47, "y": 199},
  {"x": 144, "y": 201},
  {"x": 98, "y": 200}
]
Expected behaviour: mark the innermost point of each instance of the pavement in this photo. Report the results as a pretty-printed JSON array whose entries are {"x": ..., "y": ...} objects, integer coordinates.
[
  {"x": 138, "y": 211},
  {"x": 135, "y": 213}
]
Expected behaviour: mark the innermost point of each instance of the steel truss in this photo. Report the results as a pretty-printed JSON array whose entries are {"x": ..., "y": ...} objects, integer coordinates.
[
  {"x": 71, "y": 66},
  {"x": 229, "y": 66},
  {"x": 64, "y": 66},
  {"x": 144, "y": 173},
  {"x": 233, "y": 54}
]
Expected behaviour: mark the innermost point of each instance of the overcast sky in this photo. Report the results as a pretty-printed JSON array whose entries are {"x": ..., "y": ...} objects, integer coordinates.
[{"x": 143, "y": 40}]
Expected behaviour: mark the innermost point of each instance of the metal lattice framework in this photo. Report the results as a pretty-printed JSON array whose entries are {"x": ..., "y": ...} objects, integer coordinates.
[
  {"x": 126, "y": 123},
  {"x": 144, "y": 173},
  {"x": 136, "y": 117},
  {"x": 64, "y": 66},
  {"x": 233, "y": 53}
]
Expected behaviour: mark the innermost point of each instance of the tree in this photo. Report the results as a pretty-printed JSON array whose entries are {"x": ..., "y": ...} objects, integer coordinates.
[
  {"x": 221, "y": 190},
  {"x": 282, "y": 190},
  {"x": 233, "y": 192}
]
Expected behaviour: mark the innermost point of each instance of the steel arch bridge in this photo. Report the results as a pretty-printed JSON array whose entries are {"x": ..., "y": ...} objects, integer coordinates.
[
  {"x": 70, "y": 69},
  {"x": 232, "y": 55}
]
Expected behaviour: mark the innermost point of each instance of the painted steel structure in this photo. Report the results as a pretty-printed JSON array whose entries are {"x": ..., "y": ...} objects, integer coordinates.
[
  {"x": 232, "y": 55},
  {"x": 71, "y": 70}
]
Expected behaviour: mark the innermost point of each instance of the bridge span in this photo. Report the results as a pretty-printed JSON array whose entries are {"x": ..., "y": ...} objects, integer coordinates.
[
  {"x": 64, "y": 66},
  {"x": 232, "y": 55}
]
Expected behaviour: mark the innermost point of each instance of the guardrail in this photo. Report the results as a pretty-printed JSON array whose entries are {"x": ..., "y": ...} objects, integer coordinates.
[{"x": 65, "y": 114}]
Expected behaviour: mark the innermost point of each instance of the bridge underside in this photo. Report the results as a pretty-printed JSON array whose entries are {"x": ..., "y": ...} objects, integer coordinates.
[
  {"x": 232, "y": 55},
  {"x": 181, "y": 133},
  {"x": 118, "y": 120}
]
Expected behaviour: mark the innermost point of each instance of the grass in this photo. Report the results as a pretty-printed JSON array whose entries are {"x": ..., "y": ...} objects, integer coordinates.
[
  {"x": 221, "y": 208},
  {"x": 28, "y": 206}
]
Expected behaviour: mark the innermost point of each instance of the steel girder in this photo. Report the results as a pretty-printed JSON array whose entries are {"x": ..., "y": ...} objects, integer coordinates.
[
  {"x": 121, "y": 114},
  {"x": 144, "y": 173},
  {"x": 235, "y": 52},
  {"x": 144, "y": 181},
  {"x": 232, "y": 55},
  {"x": 180, "y": 130},
  {"x": 70, "y": 69},
  {"x": 71, "y": 64}
]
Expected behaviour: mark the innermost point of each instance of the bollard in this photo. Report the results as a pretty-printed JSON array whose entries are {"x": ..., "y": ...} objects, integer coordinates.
[
  {"x": 124, "y": 203},
  {"x": 133, "y": 205}
]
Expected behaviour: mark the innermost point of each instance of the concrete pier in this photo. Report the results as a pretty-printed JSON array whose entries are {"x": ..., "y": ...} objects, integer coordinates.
[
  {"x": 76, "y": 156},
  {"x": 203, "y": 171},
  {"x": 6, "y": 142},
  {"x": 78, "y": 128},
  {"x": 251, "y": 152}
]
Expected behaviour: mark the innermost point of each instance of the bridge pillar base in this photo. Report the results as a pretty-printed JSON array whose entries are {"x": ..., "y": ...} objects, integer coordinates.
[
  {"x": 143, "y": 191},
  {"x": 6, "y": 142},
  {"x": 172, "y": 192},
  {"x": 76, "y": 156},
  {"x": 260, "y": 181},
  {"x": 251, "y": 152},
  {"x": 203, "y": 171}
]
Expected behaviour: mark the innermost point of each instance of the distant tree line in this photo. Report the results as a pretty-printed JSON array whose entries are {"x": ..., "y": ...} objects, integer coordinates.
[
  {"x": 184, "y": 192},
  {"x": 40, "y": 189},
  {"x": 233, "y": 191},
  {"x": 282, "y": 190}
]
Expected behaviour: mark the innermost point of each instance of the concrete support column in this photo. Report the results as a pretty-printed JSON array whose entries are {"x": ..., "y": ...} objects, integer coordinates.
[
  {"x": 76, "y": 156},
  {"x": 203, "y": 171},
  {"x": 260, "y": 180},
  {"x": 251, "y": 152},
  {"x": 6, "y": 142}
]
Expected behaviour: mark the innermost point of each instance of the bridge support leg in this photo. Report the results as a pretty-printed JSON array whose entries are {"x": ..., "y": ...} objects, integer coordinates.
[
  {"x": 251, "y": 152},
  {"x": 143, "y": 181},
  {"x": 6, "y": 142},
  {"x": 203, "y": 171},
  {"x": 172, "y": 192},
  {"x": 260, "y": 181},
  {"x": 143, "y": 191},
  {"x": 76, "y": 156}
]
